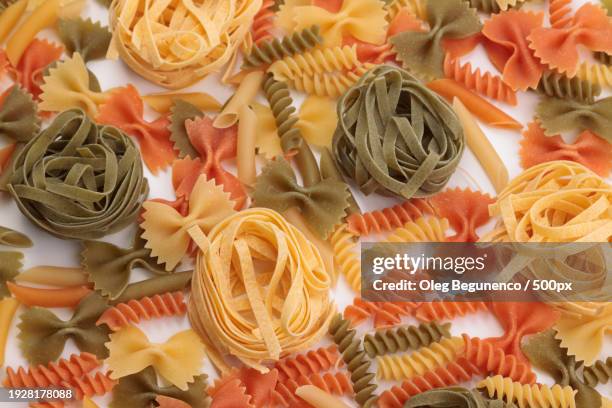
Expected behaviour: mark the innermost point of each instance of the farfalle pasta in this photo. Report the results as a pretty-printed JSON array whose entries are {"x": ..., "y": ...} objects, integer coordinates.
[
  {"x": 89, "y": 39},
  {"x": 180, "y": 112},
  {"x": 33, "y": 64},
  {"x": 201, "y": 39},
  {"x": 308, "y": 310},
  {"x": 18, "y": 117}
]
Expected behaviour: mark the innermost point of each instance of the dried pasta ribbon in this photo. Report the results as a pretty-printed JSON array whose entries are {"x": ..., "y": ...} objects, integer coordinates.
[
  {"x": 561, "y": 86},
  {"x": 142, "y": 389},
  {"x": 270, "y": 50},
  {"x": 599, "y": 372},
  {"x": 14, "y": 238},
  {"x": 94, "y": 187},
  {"x": 19, "y": 120},
  {"x": 230, "y": 313},
  {"x": 389, "y": 218},
  {"x": 383, "y": 314},
  {"x": 305, "y": 364},
  {"x": 8, "y": 307},
  {"x": 439, "y": 310},
  {"x": 386, "y": 109},
  {"x": 62, "y": 297},
  {"x": 33, "y": 64},
  {"x": 399, "y": 367},
  {"x": 344, "y": 244},
  {"x": 485, "y": 84},
  {"x": 147, "y": 308},
  {"x": 52, "y": 374},
  {"x": 528, "y": 395},
  {"x": 178, "y": 360},
  {"x": 493, "y": 360},
  {"x": 189, "y": 41},
  {"x": 388, "y": 341},
  {"x": 124, "y": 109},
  {"x": 452, "y": 374},
  {"x": 356, "y": 361}
]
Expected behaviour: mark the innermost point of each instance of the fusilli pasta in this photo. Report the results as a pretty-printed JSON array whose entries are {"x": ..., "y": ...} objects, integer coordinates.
[{"x": 403, "y": 338}]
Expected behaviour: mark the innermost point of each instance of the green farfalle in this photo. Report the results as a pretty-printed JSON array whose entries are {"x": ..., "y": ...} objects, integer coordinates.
[
  {"x": 140, "y": 390},
  {"x": 323, "y": 204},
  {"x": 422, "y": 52},
  {"x": 109, "y": 267},
  {"x": 180, "y": 112},
  {"x": 454, "y": 397},
  {"x": 18, "y": 116},
  {"x": 545, "y": 353},
  {"x": 42, "y": 334},
  {"x": 329, "y": 170},
  {"x": 10, "y": 263},
  {"x": 13, "y": 238},
  {"x": 154, "y": 286},
  {"x": 89, "y": 39},
  {"x": 560, "y": 115}
]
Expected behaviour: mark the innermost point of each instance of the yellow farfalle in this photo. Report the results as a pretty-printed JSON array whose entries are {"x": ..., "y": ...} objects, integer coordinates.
[
  {"x": 67, "y": 86},
  {"x": 363, "y": 19},
  {"x": 178, "y": 360},
  {"x": 318, "y": 120},
  {"x": 168, "y": 233}
]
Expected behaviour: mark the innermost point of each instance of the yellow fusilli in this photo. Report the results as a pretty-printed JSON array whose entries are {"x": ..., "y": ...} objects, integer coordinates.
[
  {"x": 596, "y": 74},
  {"x": 529, "y": 396},
  {"x": 345, "y": 256}
]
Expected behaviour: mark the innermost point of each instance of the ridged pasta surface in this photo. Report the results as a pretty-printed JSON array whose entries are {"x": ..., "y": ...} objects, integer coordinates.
[
  {"x": 596, "y": 74},
  {"x": 399, "y": 339},
  {"x": 91, "y": 385},
  {"x": 529, "y": 396},
  {"x": 417, "y": 7},
  {"x": 561, "y": 86},
  {"x": 346, "y": 256},
  {"x": 311, "y": 362},
  {"x": 51, "y": 374},
  {"x": 383, "y": 314},
  {"x": 560, "y": 13},
  {"x": 425, "y": 229},
  {"x": 270, "y": 50},
  {"x": 389, "y": 218},
  {"x": 447, "y": 310},
  {"x": 263, "y": 22},
  {"x": 598, "y": 373}
]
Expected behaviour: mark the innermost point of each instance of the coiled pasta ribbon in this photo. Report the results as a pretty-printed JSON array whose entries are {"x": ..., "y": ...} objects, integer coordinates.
[
  {"x": 539, "y": 396},
  {"x": 311, "y": 362},
  {"x": 346, "y": 259},
  {"x": 598, "y": 373},
  {"x": 54, "y": 373},
  {"x": 389, "y": 218},
  {"x": 402, "y": 338},
  {"x": 596, "y": 74},
  {"x": 228, "y": 310}
]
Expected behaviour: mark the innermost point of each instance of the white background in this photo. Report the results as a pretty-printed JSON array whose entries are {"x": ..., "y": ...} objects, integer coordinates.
[{"x": 48, "y": 250}]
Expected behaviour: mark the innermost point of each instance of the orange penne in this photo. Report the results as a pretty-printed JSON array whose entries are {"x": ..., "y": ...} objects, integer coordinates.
[
  {"x": 479, "y": 107},
  {"x": 64, "y": 297}
]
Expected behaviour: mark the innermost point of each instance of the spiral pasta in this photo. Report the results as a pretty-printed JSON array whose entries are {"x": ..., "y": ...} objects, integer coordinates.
[
  {"x": 275, "y": 49},
  {"x": 485, "y": 84},
  {"x": 54, "y": 373},
  {"x": 387, "y": 341},
  {"x": 417, "y": 7},
  {"x": 263, "y": 22},
  {"x": 560, "y": 13},
  {"x": 346, "y": 259},
  {"x": 425, "y": 229},
  {"x": 540, "y": 396},
  {"x": 439, "y": 310},
  {"x": 311, "y": 362},
  {"x": 255, "y": 332},
  {"x": 389, "y": 218},
  {"x": 400, "y": 367},
  {"x": 604, "y": 58},
  {"x": 356, "y": 361},
  {"x": 599, "y": 372},
  {"x": 596, "y": 74},
  {"x": 124, "y": 314},
  {"x": 91, "y": 385},
  {"x": 486, "y": 6},
  {"x": 384, "y": 314},
  {"x": 561, "y": 86}
]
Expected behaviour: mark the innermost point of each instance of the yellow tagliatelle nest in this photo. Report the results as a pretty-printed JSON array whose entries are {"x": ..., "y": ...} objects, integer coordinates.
[
  {"x": 559, "y": 201},
  {"x": 176, "y": 43},
  {"x": 259, "y": 291}
]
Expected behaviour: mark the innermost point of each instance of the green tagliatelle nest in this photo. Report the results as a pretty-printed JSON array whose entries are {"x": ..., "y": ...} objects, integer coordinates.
[
  {"x": 77, "y": 179},
  {"x": 395, "y": 136}
]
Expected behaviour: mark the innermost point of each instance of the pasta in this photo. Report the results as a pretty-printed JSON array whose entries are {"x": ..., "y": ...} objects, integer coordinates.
[
  {"x": 54, "y": 373},
  {"x": 244, "y": 95},
  {"x": 53, "y": 275},
  {"x": 257, "y": 386},
  {"x": 89, "y": 39},
  {"x": 528, "y": 395},
  {"x": 87, "y": 403},
  {"x": 452, "y": 374},
  {"x": 230, "y": 394},
  {"x": 482, "y": 148},
  {"x": 334, "y": 384},
  {"x": 164, "y": 102},
  {"x": 589, "y": 27},
  {"x": 596, "y": 74},
  {"x": 416, "y": 7},
  {"x": 486, "y": 6},
  {"x": 36, "y": 59},
  {"x": 8, "y": 306},
  {"x": 18, "y": 117},
  {"x": 124, "y": 109},
  {"x": 64, "y": 297},
  {"x": 418, "y": 174},
  {"x": 485, "y": 84},
  {"x": 303, "y": 365},
  {"x": 560, "y": 12},
  {"x": 10, "y": 16},
  {"x": 589, "y": 150},
  {"x": 483, "y": 110},
  {"x": 267, "y": 140},
  {"x": 109, "y": 267},
  {"x": 131, "y": 312},
  {"x": 364, "y": 20},
  {"x": 181, "y": 111},
  {"x": 263, "y": 22},
  {"x": 168, "y": 234},
  {"x": 306, "y": 315},
  {"x": 507, "y": 32},
  {"x": 43, "y": 335},
  {"x": 194, "y": 48},
  {"x": 388, "y": 341},
  {"x": 383, "y": 314},
  {"x": 6, "y": 155},
  {"x": 558, "y": 115},
  {"x": 493, "y": 360},
  {"x": 356, "y": 361},
  {"x": 177, "y": 360},
  {"x": 344, "y": 245},
  {"x": 10, "y": 263},
  {"x": 459, "y": 397},
  {"x": 154, "y": 286},
  {"x": 67, "y": 214},
  {"x": 272, "y": 49},
  {"x": 14, "y": 238},
  {"x": 245, "y": 151},
  {"x": 318, "y": 398},
  {"x": 430, "y": 311},
  {"x": 599, "y": 372},
  {"x": 317, "y": 120},
  {"x": 322, "y": 205},
  {"x": 90, "y": 385},
  {"x": 68, "y": 86},
  {"x": 428, "y": 229},
  {"x": 561, "y": 86},
  {"x": 329, "y": 170},
  {"x": 389, "y": 218},
  {"x": 404, "y": 366},
  {"x": 604, "y": 58},
  {"x": 422, "y": 52}
]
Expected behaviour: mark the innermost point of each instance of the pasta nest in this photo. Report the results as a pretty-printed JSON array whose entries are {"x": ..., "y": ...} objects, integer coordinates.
[
  {"x": 175, "y": 44},
  {"x": 260, "y": 291}
]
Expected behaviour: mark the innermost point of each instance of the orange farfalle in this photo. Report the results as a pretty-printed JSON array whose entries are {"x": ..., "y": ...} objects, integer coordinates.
[
  {"x": 589, "y": 150},
  {"x": 458, "y": 47},
  {"x": 6, "y": 153},
  {"x": 263, "y": 22},
  {"x": 214, "y": 145},
  {"x": 125, "y": 110},
  {"x": 230, "y": 394},
  {"x": 31, "y": 66},
  {"x": 258, "y": 387},
  {"x": 520, "y": 319},
  {"x": 509, "y": 51},
  {"x": 52, "y": 374},
  {"x": 466, "y": 210},
  {"x": 558, "y": 47},
  {"x": 383, "y": 314},
  {"x": 442, "y": 310},
  {"x": 313, "y": 361},
  {"x": 64, "y": 297}
]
